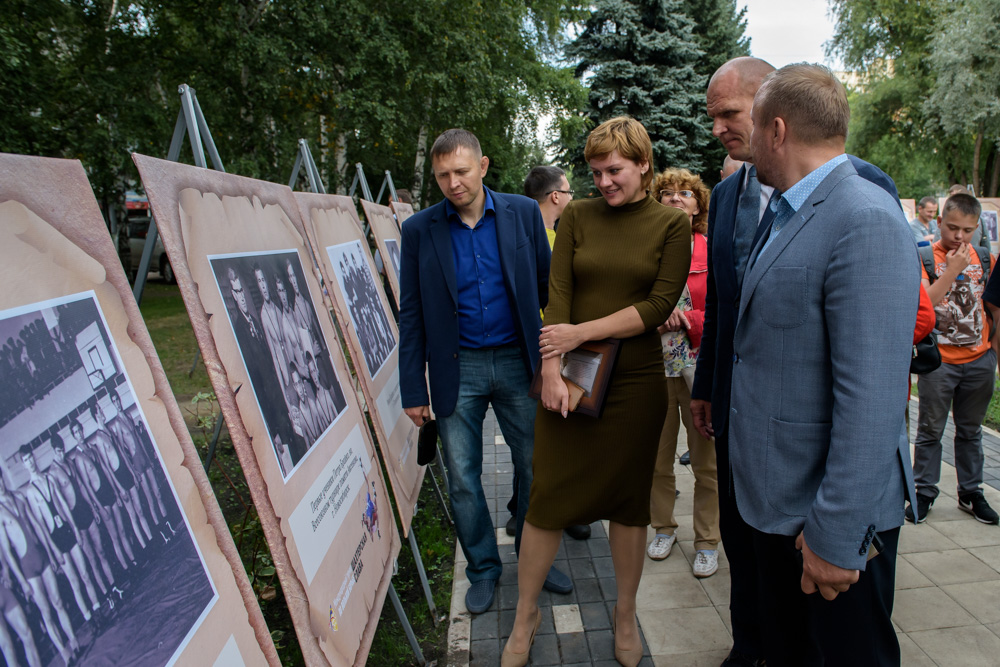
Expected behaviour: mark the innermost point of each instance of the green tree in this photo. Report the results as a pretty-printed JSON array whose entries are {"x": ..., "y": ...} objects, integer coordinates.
[
  {"x": 965, "y": 99},
  {"x": 638, "y": 58}
]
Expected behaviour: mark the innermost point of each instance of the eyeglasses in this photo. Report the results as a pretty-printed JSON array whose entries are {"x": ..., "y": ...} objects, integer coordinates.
[
  {"x": 568, "y": 192},
  {"x": 687, "y": 194}
]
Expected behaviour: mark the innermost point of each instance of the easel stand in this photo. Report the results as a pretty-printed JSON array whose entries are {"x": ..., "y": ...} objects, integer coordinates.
[
  {"x": 190, "y": 122},
  {"x": 304, "y": 159}
]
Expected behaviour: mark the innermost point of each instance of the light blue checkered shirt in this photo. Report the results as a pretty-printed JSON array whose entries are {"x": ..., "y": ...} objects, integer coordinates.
[{"x": 792, "y": 200}]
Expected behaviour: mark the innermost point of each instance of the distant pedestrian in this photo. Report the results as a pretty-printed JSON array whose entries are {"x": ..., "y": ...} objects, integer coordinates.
[{"x": 924, "y": 226}]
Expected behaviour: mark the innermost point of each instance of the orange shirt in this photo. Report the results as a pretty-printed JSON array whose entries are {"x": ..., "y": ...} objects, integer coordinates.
[{"x": 963, "y": 326}]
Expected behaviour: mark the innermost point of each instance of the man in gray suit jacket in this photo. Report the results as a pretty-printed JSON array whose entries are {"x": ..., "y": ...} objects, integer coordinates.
[{"x": 821, "y": 356}]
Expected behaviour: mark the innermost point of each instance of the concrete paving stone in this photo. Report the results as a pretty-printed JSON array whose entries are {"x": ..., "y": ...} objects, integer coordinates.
[
  {"x": 561, "y": 552},
  {"x": 726, "y": 616},
  {"x": 675, "y": 562},
  {"x": 548, "y": 626},
  {"x": 582, "y": 568},
  {"x": 545, "y": 650},
  {"x": 718, "y": 587},
  {"x": 609, "y": 588},
  {"x": 507, "y": 623},
  {"x": 490, "y": 491},
  {"x": 908, "y": 576},
  {"x": 567, "y": 618},
  {"x": 918, "y": 609},
  {"x": 994, "y": 628},
  {"x": 507, "y": 597},
  {"x": 595, "y": 616},
  {"x": 509, "y": 576},
  {"x": 588, "y": 590},
  {"x": 923, "y": 537},
  {"x": 910, "y": 654},
  {"x": 598, "y": 547},
  {"x": 573, "y": 647},
  {"x": 485, "y": 625},
  {"x": 484, "y": 653},
  {"x": 576, "y": 548},
  {"x": 678, "y": 631},
  {"x": 981, "y": 599},
  {"x": 597, "y": 530},
  {"x": 489, "y": 479},
  {"x": 989, "y": 555},
  {"x": 973, "y": 646},
  {"x": 969, "y": 532},
  {"x": 699, "y": 659},
  {"x": 603, "y": 566},
  {"x": 602, "y": 644},
  {"x": 671, "y": 591},
  {"x": 505, "y": 480},
  {"x": 507, "y": 554},
  {"x": 952, "y": 567},
  {"x": 606, "y": 663},
  {"x": 498, "y": 439}
]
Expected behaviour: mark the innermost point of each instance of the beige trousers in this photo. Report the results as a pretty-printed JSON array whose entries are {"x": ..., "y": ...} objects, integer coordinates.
[{"x": 706, "y": 484}]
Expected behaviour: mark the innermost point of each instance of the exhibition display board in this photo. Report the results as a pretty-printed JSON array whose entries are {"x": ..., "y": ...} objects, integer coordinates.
[
  {"x": 387, "y": 237},
  {"x": 402, "y": 211},
  {"x": 909, "y": 208},
  {"x": 334, "y": 230},
  {"x": 241, "y": 258},
  {"x": 113, "y": 547}
]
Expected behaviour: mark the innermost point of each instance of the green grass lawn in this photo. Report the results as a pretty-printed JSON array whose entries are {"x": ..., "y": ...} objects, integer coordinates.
[{"x": 163, "y": 311}]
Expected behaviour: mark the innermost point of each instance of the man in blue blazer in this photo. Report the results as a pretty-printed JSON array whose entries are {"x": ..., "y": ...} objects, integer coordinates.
[
  {"x": 821, "y": 359},
  {"x": 730, "y": 98},
  {"x": 474, "y": 273}
]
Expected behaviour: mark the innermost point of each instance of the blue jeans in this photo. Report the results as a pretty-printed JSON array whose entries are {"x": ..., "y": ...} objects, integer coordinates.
[{"x": 494, "y": 376}]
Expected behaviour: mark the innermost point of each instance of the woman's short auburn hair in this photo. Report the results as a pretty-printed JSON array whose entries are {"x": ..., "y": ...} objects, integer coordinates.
[
  {"x": 628, "y": 137},
  {"x": 682, "y": 179}
]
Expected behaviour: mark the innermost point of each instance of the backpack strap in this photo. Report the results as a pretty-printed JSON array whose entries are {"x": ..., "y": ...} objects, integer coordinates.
[
  {"x": 927, "y": 259},
  {"x": 984, "y": 260}
]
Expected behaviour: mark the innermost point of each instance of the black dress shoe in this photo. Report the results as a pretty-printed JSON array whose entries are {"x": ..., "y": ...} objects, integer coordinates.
[
  {"x": 580, "y": 532},
  {"x": 737, "y": 659},
  {"x": 686, "y": 458},
  {"x": 557, "y": 582},
  {"x": 512, "y": 526}
]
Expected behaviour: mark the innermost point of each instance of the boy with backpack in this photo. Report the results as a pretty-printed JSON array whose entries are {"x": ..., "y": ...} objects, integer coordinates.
[{"x": 955, "y": 276}]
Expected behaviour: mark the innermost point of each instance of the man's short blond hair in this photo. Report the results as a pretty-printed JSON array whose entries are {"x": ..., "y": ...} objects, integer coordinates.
[
  {"x": 628, "y": 137},
  {"x": 810, "y": 99}
]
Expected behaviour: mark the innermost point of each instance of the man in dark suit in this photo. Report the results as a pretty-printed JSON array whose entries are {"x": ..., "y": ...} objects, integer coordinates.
[
  {"x": 737, "y": 214},
  {"x": 474, "y": 274}
]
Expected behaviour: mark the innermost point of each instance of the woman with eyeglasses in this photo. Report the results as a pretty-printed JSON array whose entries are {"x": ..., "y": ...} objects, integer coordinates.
[
  {"x": 681, "y": 338},
  {"x": 618, "y": 268}
]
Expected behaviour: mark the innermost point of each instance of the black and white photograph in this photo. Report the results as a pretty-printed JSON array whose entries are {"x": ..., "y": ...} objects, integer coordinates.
[
  {"x": 990, "y": 218},
  {"x": 283, "y": 349},
  {"x": 357, "y": 284},
  {"x": 392, "y": 245},
  {"x": 97, "y": 561}
]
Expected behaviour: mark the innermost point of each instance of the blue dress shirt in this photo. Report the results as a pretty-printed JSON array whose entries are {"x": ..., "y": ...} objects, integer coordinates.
[
  {"x": 484, "y": 312},
  {"x": 792, "y": 200}
]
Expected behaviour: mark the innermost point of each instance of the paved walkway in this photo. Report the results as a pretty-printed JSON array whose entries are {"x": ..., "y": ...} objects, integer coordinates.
[{"x": 947, "y": 609}]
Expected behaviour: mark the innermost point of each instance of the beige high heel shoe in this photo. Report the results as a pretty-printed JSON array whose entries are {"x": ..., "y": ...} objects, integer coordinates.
[
  {"x": 509, "y": 658},
  {"x": 627, "y": 657}
]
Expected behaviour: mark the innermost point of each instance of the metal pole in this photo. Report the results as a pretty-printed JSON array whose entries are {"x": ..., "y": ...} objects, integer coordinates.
[
  {"x": 444, "y": 474},
  {"x": 440, "y": 496},
  {"x": 415, "y": 548},
  {"x": 298, "y": 166},
  {"x": 407, "y": 628},
  {"x": 392, "y": 186},
  {"x": 206, "y": 134},
  {"x": 380, "y": 191},
  {"x": 191, "y": 118},
  {"x": 317, "y": 180}
]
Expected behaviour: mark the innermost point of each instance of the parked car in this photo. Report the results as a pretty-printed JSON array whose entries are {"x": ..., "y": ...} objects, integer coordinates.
[{"x": 132, "y": 240}]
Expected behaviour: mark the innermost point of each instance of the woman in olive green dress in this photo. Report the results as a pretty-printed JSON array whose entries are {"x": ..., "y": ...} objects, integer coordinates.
[{"x": 618, "y": 267}]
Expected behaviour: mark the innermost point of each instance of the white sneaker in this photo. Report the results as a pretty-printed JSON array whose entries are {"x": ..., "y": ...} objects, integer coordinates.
[
  {"x": 660, "y": 547},
  {"x": 706, "y": 563}
]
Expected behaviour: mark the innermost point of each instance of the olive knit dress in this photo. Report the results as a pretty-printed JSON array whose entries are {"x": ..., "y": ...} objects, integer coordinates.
[{"x": 607, "y": 258}]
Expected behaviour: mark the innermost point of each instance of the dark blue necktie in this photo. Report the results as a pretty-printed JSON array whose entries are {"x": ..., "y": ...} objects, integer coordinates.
[{"x": 747, "y": 216}]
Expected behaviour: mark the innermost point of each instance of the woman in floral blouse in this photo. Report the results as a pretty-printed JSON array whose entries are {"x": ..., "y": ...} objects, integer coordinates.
[{"x": 681, "y": 337}]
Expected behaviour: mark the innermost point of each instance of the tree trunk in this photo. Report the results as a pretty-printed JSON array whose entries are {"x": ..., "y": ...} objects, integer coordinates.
[
  {"x": 976, "y": 181},
  {"x": 995, "y": 175},
  {"x": 340, "y": 163},
  {"x": 418, "y": 167}
]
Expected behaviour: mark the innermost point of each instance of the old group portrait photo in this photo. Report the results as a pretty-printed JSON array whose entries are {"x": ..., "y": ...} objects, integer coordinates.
[
  {"x": 94, "y": 547},
  {"x": 357, "y": 284},
  {"x": 283, "y": 349}
]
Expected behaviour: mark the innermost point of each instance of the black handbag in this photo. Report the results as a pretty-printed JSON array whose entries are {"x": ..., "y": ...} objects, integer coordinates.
[{"x": 926, "y": 355}]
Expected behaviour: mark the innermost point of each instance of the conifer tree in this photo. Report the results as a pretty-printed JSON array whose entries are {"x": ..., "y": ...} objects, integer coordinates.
[{"x": 639, "y": 58}]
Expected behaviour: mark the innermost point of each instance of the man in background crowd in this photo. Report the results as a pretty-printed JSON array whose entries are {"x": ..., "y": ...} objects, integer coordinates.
[{"x": 924, "y": 226}]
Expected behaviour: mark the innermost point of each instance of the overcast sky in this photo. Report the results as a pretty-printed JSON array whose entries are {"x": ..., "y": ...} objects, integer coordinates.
[{"x": 781, "y": 35}]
